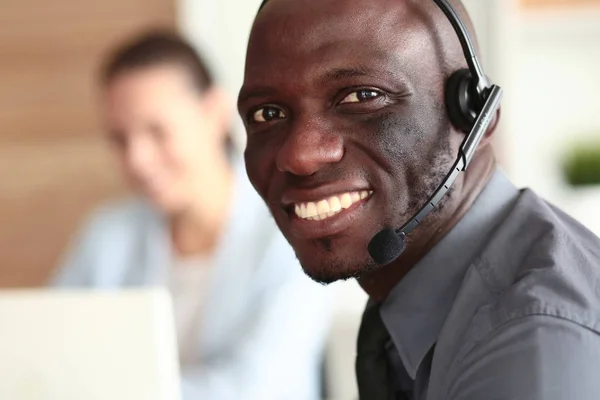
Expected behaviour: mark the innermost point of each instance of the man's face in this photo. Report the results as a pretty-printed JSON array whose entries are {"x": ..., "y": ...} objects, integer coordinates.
[{"x": 347, "y": 132}]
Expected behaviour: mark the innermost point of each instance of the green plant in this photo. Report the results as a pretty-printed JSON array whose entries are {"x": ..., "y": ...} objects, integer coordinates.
[{"x": 582, "y": 165}]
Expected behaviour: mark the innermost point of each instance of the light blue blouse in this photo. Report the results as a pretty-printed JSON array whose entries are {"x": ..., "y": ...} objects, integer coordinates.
[{"x": 264, "y": 324}]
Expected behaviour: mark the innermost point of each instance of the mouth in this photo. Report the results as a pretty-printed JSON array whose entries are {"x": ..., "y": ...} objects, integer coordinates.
[
  {"x": 328, "y": 216},
  {"x": 323, "y": 209}
]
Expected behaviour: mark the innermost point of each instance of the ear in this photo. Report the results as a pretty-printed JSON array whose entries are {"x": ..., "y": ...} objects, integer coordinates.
[
  {"x": 487, "y": 138},
  {"x": 216, "y": 105}
]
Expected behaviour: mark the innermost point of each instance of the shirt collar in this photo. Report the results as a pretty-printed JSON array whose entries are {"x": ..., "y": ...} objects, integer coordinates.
[{"x": 416, "y": 309}]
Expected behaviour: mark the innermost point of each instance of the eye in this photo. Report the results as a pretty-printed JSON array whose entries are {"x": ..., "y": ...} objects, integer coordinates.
[
  {"x": 118, "y": 139},
  {"x": 360, "y": 96},
  {"x": 267, "y": 114}
]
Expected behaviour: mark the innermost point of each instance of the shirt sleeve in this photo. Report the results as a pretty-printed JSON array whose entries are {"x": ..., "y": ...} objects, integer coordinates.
[
  {"x": 279, "y": 355},
  {"x": 533, "y": 358}
]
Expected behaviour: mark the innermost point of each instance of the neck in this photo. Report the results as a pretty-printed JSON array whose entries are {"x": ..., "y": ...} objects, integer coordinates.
[
  {"x": 380, "y": 282},
  {"x": 197, "y": 229}
]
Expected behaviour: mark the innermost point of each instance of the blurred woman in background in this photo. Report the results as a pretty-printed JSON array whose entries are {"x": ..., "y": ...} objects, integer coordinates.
[{"x": 250, "y": 325}]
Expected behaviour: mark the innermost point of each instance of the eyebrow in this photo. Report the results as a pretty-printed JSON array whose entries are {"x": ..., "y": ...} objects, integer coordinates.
[
  {"x": 247, "y": 93},
  {"x": 339, "y": 74},
  {"x": 333, "y": 75},
  {"x": 342, "y": 73}
]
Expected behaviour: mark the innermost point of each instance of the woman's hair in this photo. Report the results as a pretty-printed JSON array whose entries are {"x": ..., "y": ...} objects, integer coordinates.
[{"x": 158, "y": 47}]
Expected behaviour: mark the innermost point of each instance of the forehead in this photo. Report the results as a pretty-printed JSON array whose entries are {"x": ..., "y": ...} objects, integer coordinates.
[
  {"x": 162, "y": 75},
  {"x": 144, "y": 86},
  {"x": 298, "y": 38},
  {"x": 154, "y": 92}
]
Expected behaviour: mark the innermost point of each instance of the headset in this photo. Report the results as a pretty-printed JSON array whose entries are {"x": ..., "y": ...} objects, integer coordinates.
[{"x": 472, "y": 102}]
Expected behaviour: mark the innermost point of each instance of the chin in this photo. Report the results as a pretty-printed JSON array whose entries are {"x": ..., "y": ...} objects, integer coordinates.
[{"x": 326, "y": 267}]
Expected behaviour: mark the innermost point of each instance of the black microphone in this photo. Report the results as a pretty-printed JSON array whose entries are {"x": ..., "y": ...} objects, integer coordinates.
[
  {"x": 389, "y": 244},
  {"x": 386, "y": 246}
]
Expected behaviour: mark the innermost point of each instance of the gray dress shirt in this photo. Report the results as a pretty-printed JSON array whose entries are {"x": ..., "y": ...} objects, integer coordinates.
[{"x": 506, "y": 306}]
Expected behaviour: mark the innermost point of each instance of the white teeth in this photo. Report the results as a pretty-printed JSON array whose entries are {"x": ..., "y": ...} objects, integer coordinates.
[
  {"x": 326, "y": 208},
  {"x": 323, "y": 207},
  {"x": 346, "y": 200},
  {"x": 311, "y": 209},
  {"x": 334, "y": 204}
]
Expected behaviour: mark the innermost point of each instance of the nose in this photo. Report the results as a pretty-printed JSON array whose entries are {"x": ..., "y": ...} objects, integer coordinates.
[{"x": 310, "y": 146}]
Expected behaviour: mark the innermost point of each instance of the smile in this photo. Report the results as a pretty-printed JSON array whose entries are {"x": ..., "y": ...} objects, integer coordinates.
[{"x": 328, "y": 207}]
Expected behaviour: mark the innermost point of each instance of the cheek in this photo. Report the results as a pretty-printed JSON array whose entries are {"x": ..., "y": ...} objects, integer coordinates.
[
  {"x": 406, "y": 139},
  {"x": 182, "y": 147},
  {"x": 409, "y": 148},
  {"x": 426, "y": 152},
  {"x": 170, "y": 160},
  {"x": 393, "y": 146}
]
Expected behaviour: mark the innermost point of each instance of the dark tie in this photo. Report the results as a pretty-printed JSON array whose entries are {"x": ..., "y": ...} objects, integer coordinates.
[{"x": 372, "y": 371}]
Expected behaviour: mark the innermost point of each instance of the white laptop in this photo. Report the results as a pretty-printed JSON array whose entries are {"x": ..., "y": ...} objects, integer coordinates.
[{"x": 87, "y": 345}]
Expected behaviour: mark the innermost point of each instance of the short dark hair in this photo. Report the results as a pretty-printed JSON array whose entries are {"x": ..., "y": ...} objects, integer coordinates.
[
  {"x": 157, "y": 47},
  {"x": 154, "y": 48}
]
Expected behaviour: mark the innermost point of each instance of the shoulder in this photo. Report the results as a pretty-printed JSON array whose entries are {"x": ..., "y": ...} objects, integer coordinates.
[
  {"x": 118, "y": 215},
  {"x": 533, "y": 357},
  {"x": 539, "y": 263},
  {"x": 100, "y": 250},
  {"x": 549, "y": 264},
  {"x": 535, "y": 232},
  {"x": 114, "y": 222}
]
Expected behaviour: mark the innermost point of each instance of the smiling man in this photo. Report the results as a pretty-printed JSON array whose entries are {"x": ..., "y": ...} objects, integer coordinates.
[{"x": 496, "y": 295}]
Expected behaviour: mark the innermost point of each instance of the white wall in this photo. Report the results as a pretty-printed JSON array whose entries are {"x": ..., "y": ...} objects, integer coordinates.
[
  {"x": 555, "y": 82},
  {"x": 220, "y": 29},
  {"x": 548, "y": 64}
]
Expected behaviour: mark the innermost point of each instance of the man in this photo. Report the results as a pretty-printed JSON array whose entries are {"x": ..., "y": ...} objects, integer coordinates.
[{"x": 496, "y": 295}]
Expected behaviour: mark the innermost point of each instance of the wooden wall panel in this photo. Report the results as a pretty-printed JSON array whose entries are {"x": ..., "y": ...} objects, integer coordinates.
[{"x": 54, "y": 167}]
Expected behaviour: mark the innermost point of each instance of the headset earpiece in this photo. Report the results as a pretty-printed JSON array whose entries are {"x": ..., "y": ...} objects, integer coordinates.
[{"x": 462, "y": 100}]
